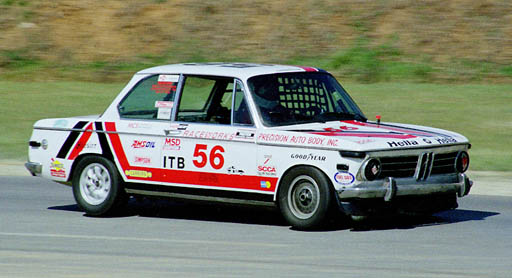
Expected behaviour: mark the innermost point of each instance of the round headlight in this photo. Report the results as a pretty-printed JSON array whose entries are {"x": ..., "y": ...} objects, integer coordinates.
[
  {"x": 372, "y": 169},
  {"x": 462, "y": 162}
]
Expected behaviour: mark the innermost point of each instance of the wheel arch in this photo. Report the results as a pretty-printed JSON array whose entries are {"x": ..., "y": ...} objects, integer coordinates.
[
  {"x": 279, "y": 184},
  {"x": 81, "y": 157}
]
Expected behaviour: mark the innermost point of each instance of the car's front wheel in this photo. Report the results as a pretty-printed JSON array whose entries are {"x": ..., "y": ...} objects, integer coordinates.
[
  {"x": 97, "y": 186},
  {"x": 305, "y": 197}
]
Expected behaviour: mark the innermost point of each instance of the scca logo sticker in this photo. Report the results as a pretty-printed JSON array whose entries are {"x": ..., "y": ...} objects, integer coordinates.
[{"x": 344, "y": 178}]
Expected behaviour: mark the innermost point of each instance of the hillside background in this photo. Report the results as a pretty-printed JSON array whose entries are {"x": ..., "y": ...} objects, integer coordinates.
[{"x": 440, "y": 41}]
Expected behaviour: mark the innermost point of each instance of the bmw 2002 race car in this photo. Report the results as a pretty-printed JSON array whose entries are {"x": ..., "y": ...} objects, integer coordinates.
[{"x": 284, "y": 136}]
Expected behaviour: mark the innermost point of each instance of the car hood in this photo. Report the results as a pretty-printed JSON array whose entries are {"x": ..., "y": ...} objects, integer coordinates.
[{"x": 360, "y": 136}]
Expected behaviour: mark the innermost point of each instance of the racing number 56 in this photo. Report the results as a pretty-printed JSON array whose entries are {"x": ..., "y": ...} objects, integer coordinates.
[{"x": 216, "y": 158}]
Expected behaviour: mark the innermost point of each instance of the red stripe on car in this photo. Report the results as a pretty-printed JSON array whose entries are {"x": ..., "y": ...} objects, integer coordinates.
[
  {"x": 81, "y": 142},
  {"x": 308, "y": 69},
  {"x": 233, "y": 181},
  {"x": 366, "y": 134},
  {"x": 397, "y": 129}
]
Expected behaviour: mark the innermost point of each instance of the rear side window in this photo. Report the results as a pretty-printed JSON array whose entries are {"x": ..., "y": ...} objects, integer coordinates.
[
  {"x": 152, "y": 98},
  {"x": 206, "y": 99}
]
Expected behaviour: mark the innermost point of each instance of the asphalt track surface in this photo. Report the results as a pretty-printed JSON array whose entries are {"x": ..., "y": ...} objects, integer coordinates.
[{"x": 44, "y": 234}]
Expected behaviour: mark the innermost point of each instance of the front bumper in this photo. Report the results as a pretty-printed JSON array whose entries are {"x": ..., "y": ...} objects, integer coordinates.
[
  {"x": 35, "y": 168},
  {"x": 391, "y": 187}
]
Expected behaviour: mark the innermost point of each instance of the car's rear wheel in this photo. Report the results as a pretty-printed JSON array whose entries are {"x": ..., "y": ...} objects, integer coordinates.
[
  {"x": 305, "y": 197},
  {"x": 97, "y": 186}
]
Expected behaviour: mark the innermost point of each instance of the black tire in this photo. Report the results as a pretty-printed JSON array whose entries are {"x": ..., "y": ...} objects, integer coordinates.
[
  {"x": 97, "y": 186},
  {"x": 305, "y": 198}
]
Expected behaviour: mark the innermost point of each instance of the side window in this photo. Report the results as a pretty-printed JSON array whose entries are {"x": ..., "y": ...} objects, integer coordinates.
[
  {"x": 152, "y": 98},
  {"x": 206, "y": 99},
  {"x": 241, "y": 114}
]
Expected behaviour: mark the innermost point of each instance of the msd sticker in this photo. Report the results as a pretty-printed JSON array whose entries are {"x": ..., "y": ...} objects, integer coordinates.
[{"x": 344, "y": 178}]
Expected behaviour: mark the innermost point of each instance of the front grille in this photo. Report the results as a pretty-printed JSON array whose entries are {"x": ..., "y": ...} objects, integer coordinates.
[
  {"x": 444, "y": 163},
  {"x": 398, "y": 166},
  {"x": 419, "y": 166}
]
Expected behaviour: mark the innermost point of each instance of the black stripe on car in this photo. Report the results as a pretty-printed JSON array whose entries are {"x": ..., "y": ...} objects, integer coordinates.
[
  {"x": 70, "y": 141},
  {"x": 102, "y": 137}
]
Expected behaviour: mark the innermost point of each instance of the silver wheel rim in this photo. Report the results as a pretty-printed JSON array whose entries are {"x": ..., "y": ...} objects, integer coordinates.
[
  {"x": 95, "y": 184},
  {"x": 303, "y": 197}
]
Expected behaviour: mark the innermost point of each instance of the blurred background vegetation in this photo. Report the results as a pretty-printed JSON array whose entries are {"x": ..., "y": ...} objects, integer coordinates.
[
  {"x": 441, "y": 63},
  {"x": 441, "y": 41}
]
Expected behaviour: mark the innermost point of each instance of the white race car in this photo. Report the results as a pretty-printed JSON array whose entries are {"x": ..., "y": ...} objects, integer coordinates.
[{"x": 283, "y": 136}]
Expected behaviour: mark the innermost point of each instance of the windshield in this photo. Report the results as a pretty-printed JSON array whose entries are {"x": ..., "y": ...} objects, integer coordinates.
[{"x": 297, "y": 98}]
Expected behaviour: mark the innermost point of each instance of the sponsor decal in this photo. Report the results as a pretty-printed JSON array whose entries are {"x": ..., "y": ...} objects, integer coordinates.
[
  {"x": 234, "y": 170},
  {"x": 273, "y": 137},
  {"x": 445, "y": 140},
  {"x": 404, "y": 143},
  {"x": 308, "y": 157},
  {"x": 344, "y": 178},
  {"x": 90, "y": 146},
  {"x": 138, "y": 144},
  {"x": 365, "y": 141},
  {"x": 267, "y": 157},
  {"x": 315, "y": 141},
  {"x": 142, "y": 160},
  {"x": 138, "y": 174},
  {"x": 172, "y": 144},
  {"x": 265, "y": 184},
  {"x": 166, "y": 84},
  {"x": 164, "y": 104},
  {"x": 267, "y": 170},
  {"x": 164, "y": 109},
  {"x": 174, "y": 162},
  {"x": 161, "y": 88},
  {"x": 209, "y": 135},
  {"x": 139, "y": 125},
  {"x": 57, "y": 169},
  {"x": 427, "y": 141},
  {"x": 168, "y": 78}
]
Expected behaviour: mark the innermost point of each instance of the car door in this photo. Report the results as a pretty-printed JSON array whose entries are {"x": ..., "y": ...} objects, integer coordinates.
[
  {"x": 137, "y": 138},
  {"x": 212, "y": 140}
]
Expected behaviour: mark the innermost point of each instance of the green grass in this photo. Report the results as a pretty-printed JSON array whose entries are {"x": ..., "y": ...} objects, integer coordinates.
[
  {"x": 483, "y": 113},
  {"x": 23, "y": 103}
]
